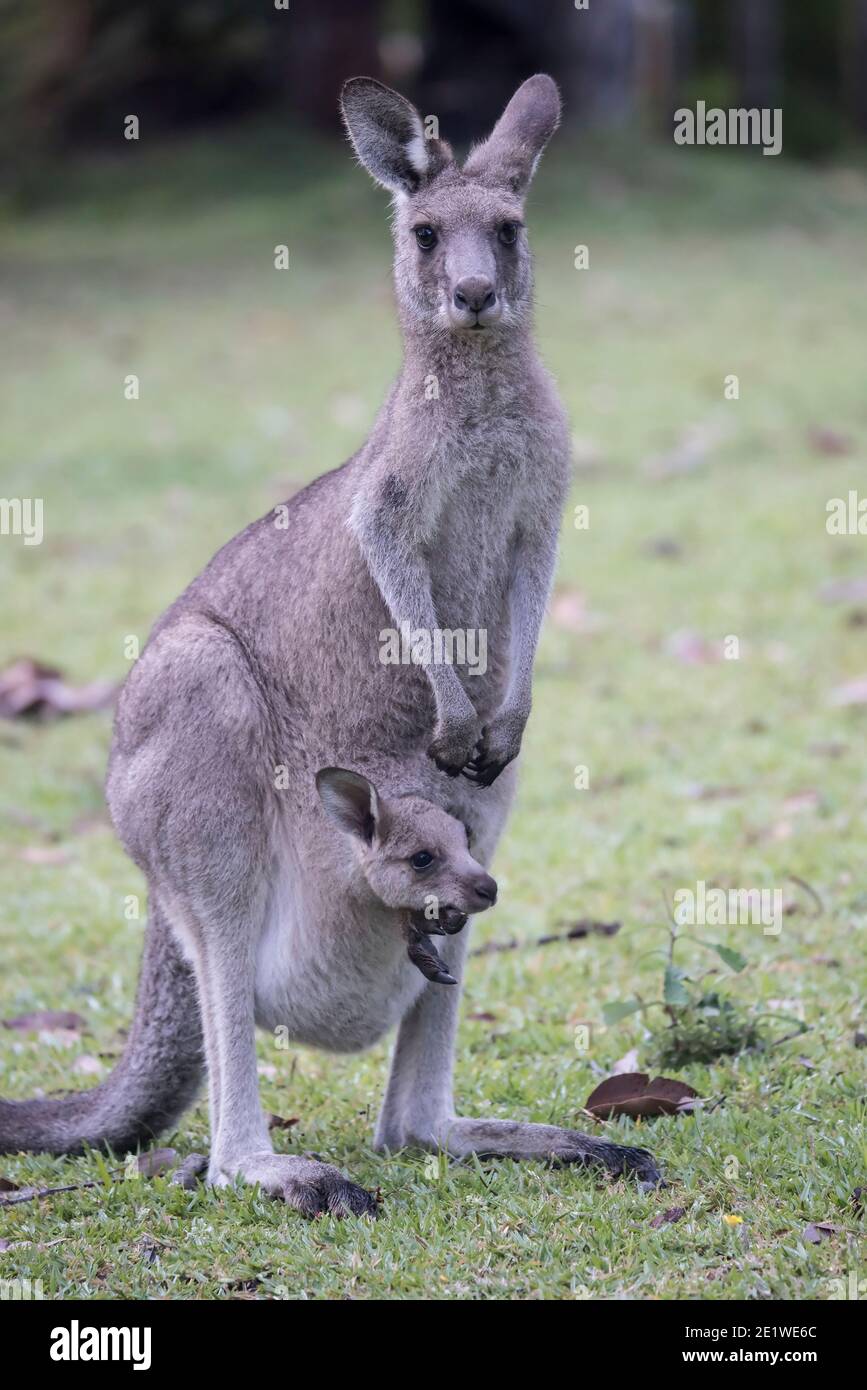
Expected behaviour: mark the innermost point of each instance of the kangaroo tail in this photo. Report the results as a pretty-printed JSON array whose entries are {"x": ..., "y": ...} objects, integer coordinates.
[{"x": 155, "y": 1080}]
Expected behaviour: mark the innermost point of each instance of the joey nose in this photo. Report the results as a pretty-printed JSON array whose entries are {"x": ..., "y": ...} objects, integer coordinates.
[
  {"x": 485, "y": 890},
  {"x": 474, "y": 293}
]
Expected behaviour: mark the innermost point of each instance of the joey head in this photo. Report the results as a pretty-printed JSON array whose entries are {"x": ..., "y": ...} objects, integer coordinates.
[{"x": 414, "y": 857}]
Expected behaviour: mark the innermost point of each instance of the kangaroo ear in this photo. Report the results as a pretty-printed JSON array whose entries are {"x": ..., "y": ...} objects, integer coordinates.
[
  {"x": 388, "y": 136},
  {"x": 511, "y": 152},
  {"x": 351, "y": 802}
]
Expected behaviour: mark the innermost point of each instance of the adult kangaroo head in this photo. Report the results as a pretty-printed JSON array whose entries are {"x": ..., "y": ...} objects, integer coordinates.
[{"x": 462, "y": 262}]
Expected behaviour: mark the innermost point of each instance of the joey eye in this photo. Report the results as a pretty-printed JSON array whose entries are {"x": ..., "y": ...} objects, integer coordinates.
[
  {"x": 508, "y": 233},
  {"x": 422, "y": 859},
  {"x": 426, "y": 238}
]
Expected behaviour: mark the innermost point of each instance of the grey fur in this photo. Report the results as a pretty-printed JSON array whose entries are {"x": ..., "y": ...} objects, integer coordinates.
[{"x": 267, "y": 670}]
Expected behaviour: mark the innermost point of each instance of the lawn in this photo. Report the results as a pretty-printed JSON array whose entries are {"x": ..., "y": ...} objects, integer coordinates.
[{"x": 706, "y": 522}]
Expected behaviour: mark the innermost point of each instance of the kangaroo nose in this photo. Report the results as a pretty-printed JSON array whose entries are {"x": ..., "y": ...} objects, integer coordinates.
[
  {"x": 485, "y": 889},
  {"x": 475, "y": 293}
]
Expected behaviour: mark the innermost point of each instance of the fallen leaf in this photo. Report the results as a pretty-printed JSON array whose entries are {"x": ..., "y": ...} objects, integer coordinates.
[
  {"x": 823, "y": 439},
  {"x": 665, "y": 547},
  {"x": 817, "y": 1231},
  {"x": 844, "y": 590},
  {"x": 806, "y": 800},
  {"x": 587, "y": 926},
  {"x": 45, "y": 1018},
  {"x": 691, "y": 451},
  {"x": 482, "y": 1016},
  {"x": 28, "y": 687},
  {"x": 569, "y": 610},
  {"x": 6, "y": 1185},
  {"x": 278, "y": 1121},
  {"x": 697, "y": 791},
  {"x": 156, "y": 1162},
  {"x": 633, "y": 1093},
  {"x": 665, "y": 1218},
  {"x": 852, "y": 692},
  {"x": 87, "y": 1065},
  {"x": 857, "y": 1202},
  {"x": 43, "y": 854},
  {"x": 691, "y": 648}
]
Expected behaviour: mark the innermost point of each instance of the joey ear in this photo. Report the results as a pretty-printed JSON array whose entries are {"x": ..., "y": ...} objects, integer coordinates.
[
  {"x": 388, "y": 136},
  {"x": 351, "y": 802},
  {"x": 511, "y": 152}
]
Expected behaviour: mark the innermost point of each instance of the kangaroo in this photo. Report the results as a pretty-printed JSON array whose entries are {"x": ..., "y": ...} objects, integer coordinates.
[{"x": 281, "y": 899}]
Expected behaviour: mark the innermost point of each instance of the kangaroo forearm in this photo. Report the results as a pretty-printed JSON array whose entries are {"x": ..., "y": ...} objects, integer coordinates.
[
  {"x": 404, "y": 581},
  {"x": 529, "y": 594}
]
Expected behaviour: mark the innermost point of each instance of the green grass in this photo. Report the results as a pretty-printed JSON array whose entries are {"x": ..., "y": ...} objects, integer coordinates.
[{"x": 253, "y": 381}]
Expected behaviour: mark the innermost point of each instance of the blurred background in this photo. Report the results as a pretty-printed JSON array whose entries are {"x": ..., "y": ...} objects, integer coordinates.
[{"x": 71, "y": 68}]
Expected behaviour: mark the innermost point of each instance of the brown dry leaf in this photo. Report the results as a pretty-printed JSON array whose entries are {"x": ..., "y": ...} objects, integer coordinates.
[
  {"x": 7, "y": 1185},
  {"x": 691, "y": 648},
  {"x": 279, "y": 1122},
  {"x": 665, "y": 1218},
  {"x": 45, "y": 1018},
  {"x": 633, "y": 1093},
  {"x": 482, "y": 1016},
  {"x": 28, "y": 687},
  {"x": 857, "y": 1200},
  {"x": 824, "y": 439},
  {"x": 817, "y": 1231}
]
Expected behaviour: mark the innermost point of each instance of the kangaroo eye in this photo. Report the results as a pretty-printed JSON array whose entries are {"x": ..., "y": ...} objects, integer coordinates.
[
  {"x": 422, "y": 860},
  {"x": 426, "y": 238},
  {"x": 508, "y": 233}
]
